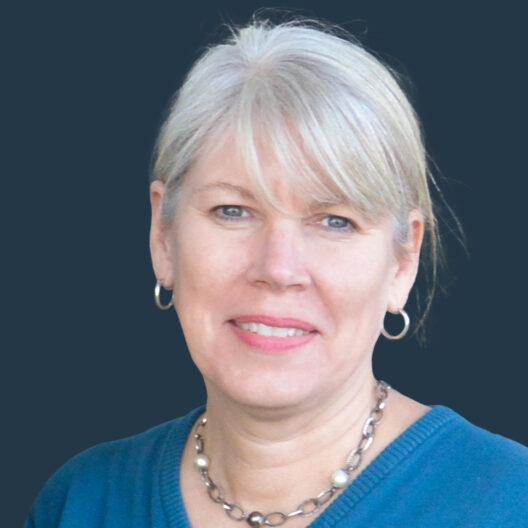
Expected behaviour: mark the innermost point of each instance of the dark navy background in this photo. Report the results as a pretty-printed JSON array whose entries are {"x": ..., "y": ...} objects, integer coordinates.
[{"x": 87, "y": 357}]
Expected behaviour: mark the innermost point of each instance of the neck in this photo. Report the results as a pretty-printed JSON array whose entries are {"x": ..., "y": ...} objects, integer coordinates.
[{"x": 273, "y": 459}]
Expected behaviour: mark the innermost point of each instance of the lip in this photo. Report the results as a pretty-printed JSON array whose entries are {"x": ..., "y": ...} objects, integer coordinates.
[{"x": 272, "y": 344}]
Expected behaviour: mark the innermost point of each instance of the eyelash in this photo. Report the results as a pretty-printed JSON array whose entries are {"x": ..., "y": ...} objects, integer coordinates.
[
  {"x": 348, "y": 226},
  {"x": 220, "y": 210}
]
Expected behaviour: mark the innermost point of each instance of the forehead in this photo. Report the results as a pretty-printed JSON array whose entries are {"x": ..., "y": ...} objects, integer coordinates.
[{"x": 223, "y": 167}]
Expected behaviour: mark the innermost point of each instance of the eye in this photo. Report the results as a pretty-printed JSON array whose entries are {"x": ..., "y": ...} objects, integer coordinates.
[
  {"x": 230, "y": 212},
  {"x": 337, "y": 223}
]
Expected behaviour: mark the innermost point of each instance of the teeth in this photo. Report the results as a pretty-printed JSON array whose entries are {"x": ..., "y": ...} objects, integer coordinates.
[
  {"x": 274, "y": 331},
  {"x": 264, "y": 330}
]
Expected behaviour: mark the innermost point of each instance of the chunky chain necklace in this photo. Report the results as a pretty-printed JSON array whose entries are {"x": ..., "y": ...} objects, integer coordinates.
[{"x": 339, "y": 479}]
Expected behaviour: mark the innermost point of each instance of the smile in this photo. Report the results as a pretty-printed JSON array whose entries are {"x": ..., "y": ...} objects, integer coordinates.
[
  {"x": 271, "y": 331},
  {"x": 272, "y": 335}
]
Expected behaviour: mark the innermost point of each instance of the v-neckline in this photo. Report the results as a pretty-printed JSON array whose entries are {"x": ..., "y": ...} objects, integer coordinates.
[{"x": 377, "y": 470}]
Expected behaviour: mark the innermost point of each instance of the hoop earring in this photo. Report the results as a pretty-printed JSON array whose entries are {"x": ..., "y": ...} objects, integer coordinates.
[
  {"x": 157, "y": 290},
  {"x": 406, "y": 324}
]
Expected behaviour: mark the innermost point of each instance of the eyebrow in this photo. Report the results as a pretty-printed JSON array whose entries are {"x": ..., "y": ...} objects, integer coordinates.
[{"x": 242, "y": 191}]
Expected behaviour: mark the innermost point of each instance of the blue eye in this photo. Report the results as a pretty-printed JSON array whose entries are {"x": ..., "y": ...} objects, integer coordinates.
[
  {"x": 337, "y": 222},
  {"x": 230, "y": 211}
]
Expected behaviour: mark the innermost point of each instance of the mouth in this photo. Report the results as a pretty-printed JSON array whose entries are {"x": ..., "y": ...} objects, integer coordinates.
[
  {"x": 272, "y": 334},
  {"x": 270, "y": 331}
]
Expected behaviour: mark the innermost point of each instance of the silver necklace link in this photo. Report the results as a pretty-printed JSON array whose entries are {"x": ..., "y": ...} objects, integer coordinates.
[{"x": 340, "y": 478}]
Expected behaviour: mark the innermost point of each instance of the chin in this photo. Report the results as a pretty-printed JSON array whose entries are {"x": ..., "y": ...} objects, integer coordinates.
[
  {"x": 290, "y": 379},
  {"x": 268, "y": 390}
]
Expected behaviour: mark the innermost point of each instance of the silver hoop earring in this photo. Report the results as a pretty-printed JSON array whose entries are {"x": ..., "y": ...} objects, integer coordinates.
[
  {"x": 406, "y": 324},
  {"x": 157, "y": 290}
]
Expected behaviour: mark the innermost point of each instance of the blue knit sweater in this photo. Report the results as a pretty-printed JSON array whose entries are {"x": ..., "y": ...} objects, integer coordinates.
[{"x": 441, "y": 472}]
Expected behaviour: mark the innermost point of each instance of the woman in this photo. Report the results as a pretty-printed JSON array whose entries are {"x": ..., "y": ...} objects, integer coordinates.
[{"x": 289, "y": 204}]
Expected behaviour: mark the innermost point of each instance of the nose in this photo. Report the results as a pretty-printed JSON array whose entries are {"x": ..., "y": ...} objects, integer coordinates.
[{"x": 279, "y": 260}]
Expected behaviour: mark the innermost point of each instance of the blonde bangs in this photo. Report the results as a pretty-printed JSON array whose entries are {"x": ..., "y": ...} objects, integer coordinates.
[{"x": 323, "y": 159}]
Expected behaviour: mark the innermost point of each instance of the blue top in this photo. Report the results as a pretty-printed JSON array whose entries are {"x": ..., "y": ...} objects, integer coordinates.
[{"x": 441, "y": 472}]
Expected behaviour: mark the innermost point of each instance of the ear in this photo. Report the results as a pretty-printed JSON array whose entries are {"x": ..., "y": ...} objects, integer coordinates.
[
  {"x": 408, "y": 257},
  {"x": 159, "y": 247}
]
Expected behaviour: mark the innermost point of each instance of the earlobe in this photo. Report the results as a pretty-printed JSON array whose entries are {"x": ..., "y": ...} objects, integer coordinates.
[{"x": 159, "y": 248}]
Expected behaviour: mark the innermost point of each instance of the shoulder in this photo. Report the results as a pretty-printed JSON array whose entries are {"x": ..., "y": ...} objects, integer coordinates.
[
  {"x": 480, "y": 450},
  {"x": 476, "y": 474},
  {"x": 111, "y": 471},
  {"x": 455, "y": 445},
  {"x": 125, "y": 454},
  {"x": 449, "y": 438},
  {"x": 443, "y": 471}
]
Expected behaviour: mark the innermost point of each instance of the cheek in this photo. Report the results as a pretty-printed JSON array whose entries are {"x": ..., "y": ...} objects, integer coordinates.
[
  {"x": 207, "y": 268},
  {"x": 360, "y": 278}
]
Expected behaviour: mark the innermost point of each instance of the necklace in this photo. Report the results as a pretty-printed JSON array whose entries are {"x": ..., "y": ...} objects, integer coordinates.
[{"x": 339, "y": 480}]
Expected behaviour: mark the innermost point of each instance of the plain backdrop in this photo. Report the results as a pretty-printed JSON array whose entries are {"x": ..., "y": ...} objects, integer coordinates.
[{"x": 87, "y": 357}]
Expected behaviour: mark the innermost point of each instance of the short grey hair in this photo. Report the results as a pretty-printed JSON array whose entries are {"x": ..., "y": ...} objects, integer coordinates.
[{"x": 334, "y": 116}]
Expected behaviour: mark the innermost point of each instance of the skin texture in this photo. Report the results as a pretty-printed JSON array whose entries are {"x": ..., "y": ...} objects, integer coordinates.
[
  {"x": 225, "y": 255},
  {"x": 341, "y": 280}
]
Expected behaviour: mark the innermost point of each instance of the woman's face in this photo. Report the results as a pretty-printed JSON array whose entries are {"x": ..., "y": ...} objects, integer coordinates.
[{"x": 277, "y": 309}]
